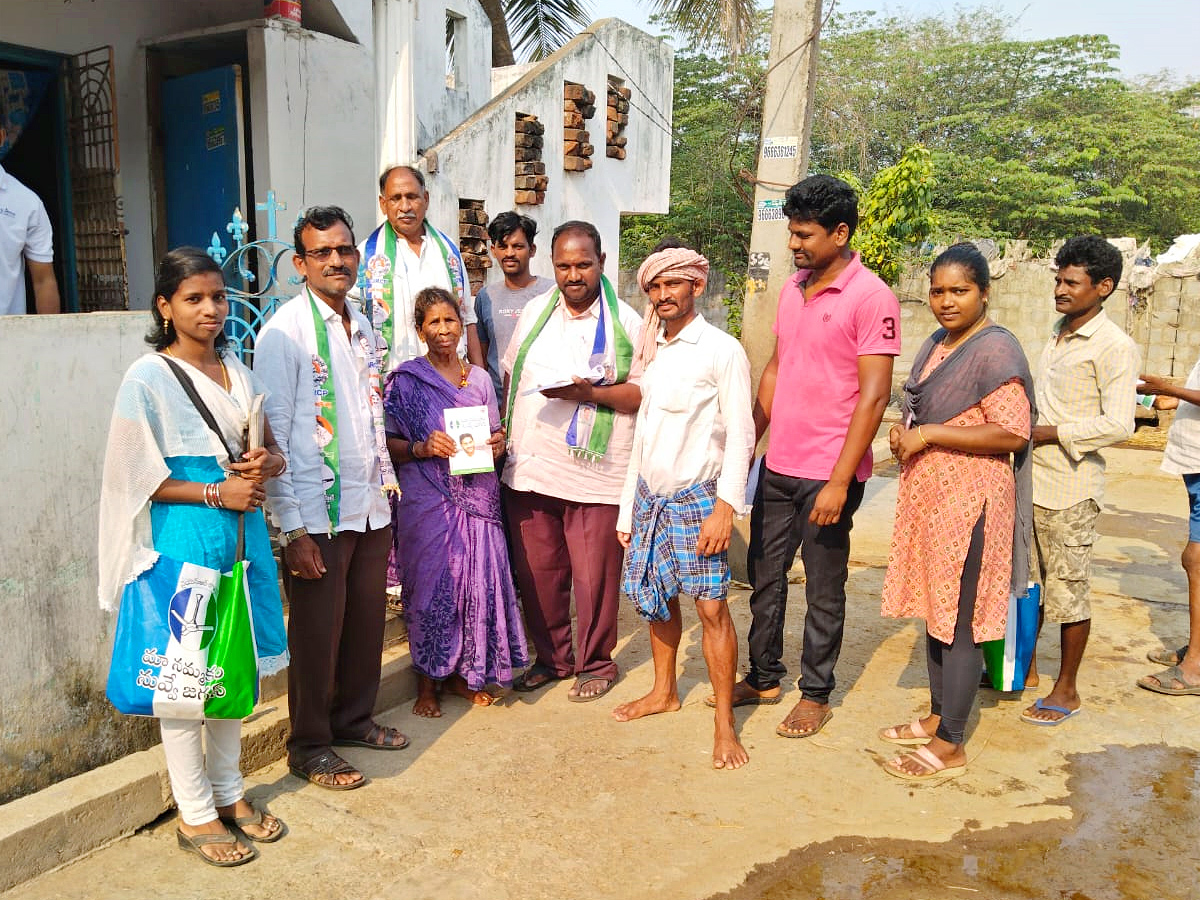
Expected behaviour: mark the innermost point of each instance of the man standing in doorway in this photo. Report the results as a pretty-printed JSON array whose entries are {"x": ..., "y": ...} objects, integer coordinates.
[
  {"x": 1086, "y": 383},
  {"x": 687, "y": 480},
  {"x": 25, "y": 240},
  {"x": 401, "y": 257},
  {"x": 499, "y": 305},
  {"x": 837, "y": 332},
  {"x": 568, "y": 450},
  {"x": 320, "y": 362}
]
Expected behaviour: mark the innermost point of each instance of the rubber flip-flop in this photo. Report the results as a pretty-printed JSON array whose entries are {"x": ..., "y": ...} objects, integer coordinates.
[
  {"x": 193, "y": 843},
  {"x": 577, "y": 697},
  {"x": 1161, "y": 683},
  {"x": 535, "y": 678},
  {"x": 934, "y": 767},
  {"x": 1066, "y": 714}
]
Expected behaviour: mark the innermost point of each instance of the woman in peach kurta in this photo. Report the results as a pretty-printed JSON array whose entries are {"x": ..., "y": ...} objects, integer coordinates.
[{"x": 963, "y": 512}]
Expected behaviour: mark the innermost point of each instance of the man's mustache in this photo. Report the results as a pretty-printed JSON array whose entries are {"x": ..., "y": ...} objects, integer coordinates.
[{"x": 336, "y": 270}]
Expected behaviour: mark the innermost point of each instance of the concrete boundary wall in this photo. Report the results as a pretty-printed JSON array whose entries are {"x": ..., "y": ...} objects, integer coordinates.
[{"x": 1163, "y": 319}]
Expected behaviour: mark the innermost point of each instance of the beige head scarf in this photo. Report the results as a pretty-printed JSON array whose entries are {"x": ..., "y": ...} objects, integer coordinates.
[{"x": 674, "y": 262}]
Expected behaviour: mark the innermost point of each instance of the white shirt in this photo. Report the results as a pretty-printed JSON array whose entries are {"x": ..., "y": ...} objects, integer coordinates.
[
  {"x": 695, "y": 422},
  {"x": 1182, "y": 453},
  {"x": 283, "y": 361},
  {"x": 538, "y": 456},
  {"x": 413, "y": 273},
  {"x": 25, "y": 234}
]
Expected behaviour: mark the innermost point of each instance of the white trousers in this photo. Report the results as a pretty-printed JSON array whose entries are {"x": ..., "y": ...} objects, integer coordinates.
[{"x": 203, "y": 778}]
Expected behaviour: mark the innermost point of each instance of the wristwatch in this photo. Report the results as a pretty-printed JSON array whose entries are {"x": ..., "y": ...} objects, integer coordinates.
[{"x": 286, "y": 537}]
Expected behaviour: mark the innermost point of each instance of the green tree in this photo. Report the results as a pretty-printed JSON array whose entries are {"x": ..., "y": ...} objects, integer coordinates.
[
  {"x": 895, "y": 212},
  {"x": 534, "y": 29}
]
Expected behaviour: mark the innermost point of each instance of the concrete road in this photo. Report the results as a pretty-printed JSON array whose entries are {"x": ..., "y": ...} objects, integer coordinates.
[{"x": 541, "y": 798}]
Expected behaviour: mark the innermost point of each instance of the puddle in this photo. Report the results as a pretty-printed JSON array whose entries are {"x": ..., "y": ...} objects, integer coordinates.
[{"x": 1132, "y": 836}]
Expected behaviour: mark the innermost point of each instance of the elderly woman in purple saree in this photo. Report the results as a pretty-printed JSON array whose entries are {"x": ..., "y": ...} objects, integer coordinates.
[{"x": 449, "y": 552}]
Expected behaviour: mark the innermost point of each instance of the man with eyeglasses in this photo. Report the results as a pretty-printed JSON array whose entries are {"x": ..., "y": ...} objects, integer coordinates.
[
  {"x": 403, "y": 256},
  {"x": 321, "y": 364}
]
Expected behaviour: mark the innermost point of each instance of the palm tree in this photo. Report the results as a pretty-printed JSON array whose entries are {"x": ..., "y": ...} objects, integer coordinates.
[{"x": 542, "y": 26}]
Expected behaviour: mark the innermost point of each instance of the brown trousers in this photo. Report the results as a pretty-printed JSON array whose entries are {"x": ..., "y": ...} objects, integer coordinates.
[
  {"x": 557, "y": 545},
  {"x": 335, "y": 635}
]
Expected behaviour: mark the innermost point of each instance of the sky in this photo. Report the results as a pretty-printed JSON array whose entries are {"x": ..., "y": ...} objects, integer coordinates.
[{"x": 1153, "y": 35}]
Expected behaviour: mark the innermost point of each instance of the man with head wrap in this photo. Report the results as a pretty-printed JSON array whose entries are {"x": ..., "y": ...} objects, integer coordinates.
[{"x": 686, "y": 481}]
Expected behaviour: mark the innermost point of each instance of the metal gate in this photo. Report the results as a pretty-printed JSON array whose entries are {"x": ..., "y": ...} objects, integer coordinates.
[{"x": 95, "y": 163}]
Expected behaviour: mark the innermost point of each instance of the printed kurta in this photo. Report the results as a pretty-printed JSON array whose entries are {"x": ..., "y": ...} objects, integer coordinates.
[{"x": 941, "y": 495}]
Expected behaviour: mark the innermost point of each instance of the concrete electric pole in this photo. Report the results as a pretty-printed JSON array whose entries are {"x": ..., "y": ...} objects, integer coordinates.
[
  {"x": 783, "y": 160},
  {"x": 786, "y": 128}
]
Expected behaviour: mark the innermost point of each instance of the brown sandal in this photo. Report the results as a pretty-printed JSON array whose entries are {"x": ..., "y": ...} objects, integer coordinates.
[
  {"x": 255, "y": 818},
  {"x": 378, "y": 737},
  {"x": 322, "y": 768}
]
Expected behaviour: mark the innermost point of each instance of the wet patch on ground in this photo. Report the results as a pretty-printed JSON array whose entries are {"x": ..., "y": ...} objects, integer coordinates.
[{"x": 1131, "y": 835}]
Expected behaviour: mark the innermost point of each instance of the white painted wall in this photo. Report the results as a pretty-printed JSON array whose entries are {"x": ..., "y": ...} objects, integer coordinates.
[
  {"x": 476, "y": 159},
  {"x": 62, "y": 374},
  {"x": 313, "y": 108}
]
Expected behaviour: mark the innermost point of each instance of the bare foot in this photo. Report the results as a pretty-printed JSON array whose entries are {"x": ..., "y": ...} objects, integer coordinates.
[
  {"x": 263, "y": 831},
  {"x": 806, "y": 719},
  {"x": 649, "y": 705},
  {"x": 1032, "y": 680},
  {"x": 224, "y": 851},
  {"x": 728, "y": 752},
  {"x": 457, "y": 685},
  {"x": 427, "y": 705}
]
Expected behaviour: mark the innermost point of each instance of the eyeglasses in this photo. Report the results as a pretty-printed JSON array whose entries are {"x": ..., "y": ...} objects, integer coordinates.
[{"x": 323, "y": 253}]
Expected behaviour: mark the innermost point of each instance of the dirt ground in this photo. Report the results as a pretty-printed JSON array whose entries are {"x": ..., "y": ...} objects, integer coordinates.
[{"x": 541, "y": 799}]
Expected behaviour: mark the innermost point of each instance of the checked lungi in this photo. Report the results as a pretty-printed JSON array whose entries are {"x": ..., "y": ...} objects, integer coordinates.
[{"x": 662, "y": 561}]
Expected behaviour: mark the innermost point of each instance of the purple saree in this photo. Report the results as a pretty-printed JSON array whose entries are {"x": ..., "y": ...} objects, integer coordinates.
[{"x": 449, "y": 553}]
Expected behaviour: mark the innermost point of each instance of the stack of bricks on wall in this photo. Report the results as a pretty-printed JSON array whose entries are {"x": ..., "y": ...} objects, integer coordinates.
[
  {"x": 618, "y": 118},
  {"x": 579, "y": 105},
  {"x": 472, "y": 240},
  {"x": 531, "y": 178}
]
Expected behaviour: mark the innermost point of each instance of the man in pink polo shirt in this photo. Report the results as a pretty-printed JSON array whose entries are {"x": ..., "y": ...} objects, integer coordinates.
[{"x": 837, "y": 331}]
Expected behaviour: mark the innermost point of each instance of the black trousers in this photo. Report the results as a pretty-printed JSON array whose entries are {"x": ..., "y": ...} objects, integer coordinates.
[
  {"x": 954, "y": 668},
  {"x": 779, "y": 526}
]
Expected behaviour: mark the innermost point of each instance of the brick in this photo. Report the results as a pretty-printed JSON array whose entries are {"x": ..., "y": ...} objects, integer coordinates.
[
  {"x": 589, "y": 97},
  {"x": 473, "y": 231},
  {"x": 575, "y": 163},
  {"x": 588, "y": 110},
  {"x": 576, "y": 134},
  {"x": 586, "y": 149},
  {"x": 475, "y": 216},
  {"x": 574, "y": 91},
  {"x": 572, "y": 120},
  {"x": 529, "y": 140},
  {"x": 531, "y": 168},
  {"x": 587, "y": 163},
  {"x": 526, "y": 197},
  {"x": 541, "y": 196},
  {"x": 615, "y": 153},
  {"x": 526, "y": 182},
  {"x": 625, "y": 92},
  {"x": 528, "y": 154},
  {"x": 528, "y": 126},
  {"x": 541, "y": 182},
  {"x": 619, "y": 118},
  {"x": 571, "y": 148}
]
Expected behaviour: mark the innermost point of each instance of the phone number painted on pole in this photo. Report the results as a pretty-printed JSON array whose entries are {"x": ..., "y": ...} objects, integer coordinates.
[
  {"x": 781, "y": 147},
  {"x": 769, "y": 211}
]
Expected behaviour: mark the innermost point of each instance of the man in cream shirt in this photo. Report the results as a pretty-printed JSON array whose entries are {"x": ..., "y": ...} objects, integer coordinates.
[
  {"x": 568, "y": 450},
  {"x": 686, "y": 481}
]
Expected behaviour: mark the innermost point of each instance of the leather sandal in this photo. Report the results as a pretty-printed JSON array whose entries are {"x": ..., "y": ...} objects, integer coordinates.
[{"x": 321, "y": 769}]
